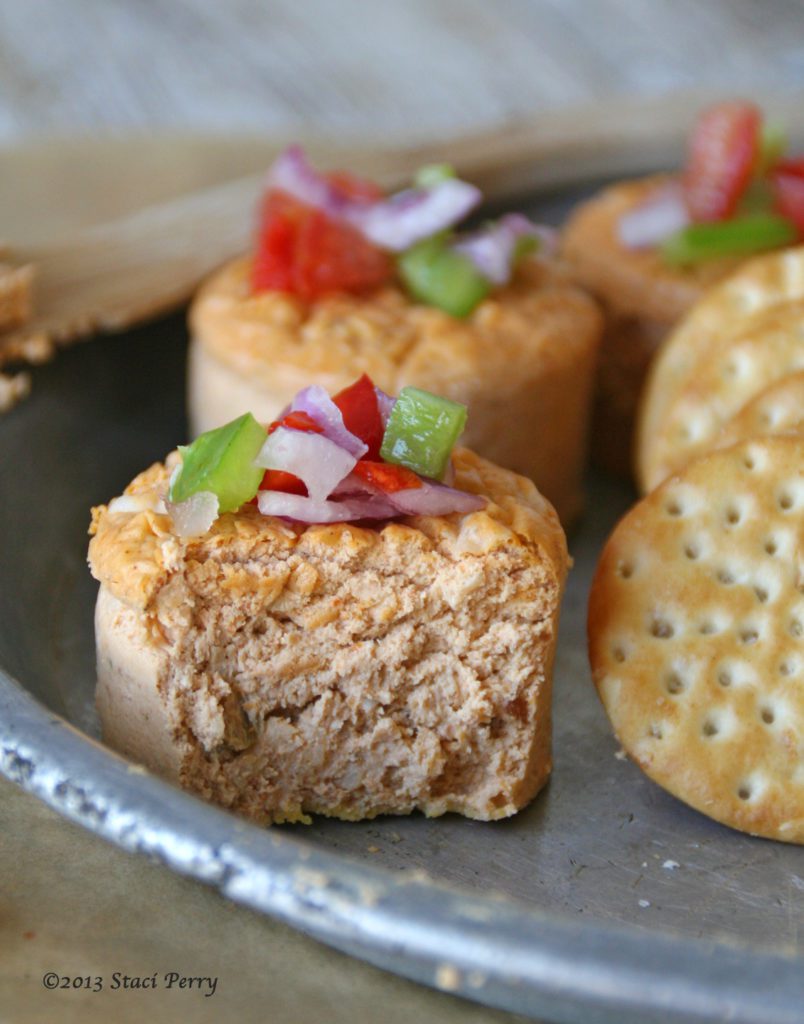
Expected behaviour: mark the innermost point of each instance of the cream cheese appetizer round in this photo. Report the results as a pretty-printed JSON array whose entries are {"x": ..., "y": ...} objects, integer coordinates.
[
  {"x": 518, "y": 346},
  {"x": 523, "y": 362},
  {"x": 649, "y": 249},
  {"x": 284, "y": 668}
]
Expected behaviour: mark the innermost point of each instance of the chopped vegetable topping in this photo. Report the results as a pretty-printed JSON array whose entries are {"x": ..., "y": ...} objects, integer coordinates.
[
  {"x": 279, "y": 480},
  {"x": 321, "y": 234},
  {"x": 221, "y": 461},
  {"x": 498, "y": 247},
  {"x": 422, "y": 431},
  {"x": 360, "y": 408},
  {"x": 723, "y": 153},
  {"x": 193, "y": 516},
  {"x": 738, "y": 192},
  {"x": 314, "y": 402},
  {"x": 303, "y": 251},
  {"x": 772, "y": 146},
  {"x": 318, "y": 462},
  {"x": 386, "y": 477},
  {"x": 433, "y": 174},
  {"x": 738, "y": 237},
  {"x": 788, "y": 187},
  {"x": 663, "y": 213},
  {"x": 297, "y": 420},
  {"x": 439, "y": 276},
  {"x": 357, "y": 456}
]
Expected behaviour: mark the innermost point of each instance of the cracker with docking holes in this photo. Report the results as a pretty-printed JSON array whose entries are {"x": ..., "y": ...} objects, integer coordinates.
[
  {"x": 769, "y": 346},
  {"x": 696, "y": 636},
  {"x": 779, "y": 409},
  {"x": 759, "y": 284}
]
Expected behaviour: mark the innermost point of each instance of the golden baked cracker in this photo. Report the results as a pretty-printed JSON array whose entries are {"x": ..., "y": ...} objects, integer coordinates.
[
  {"x": 779, "y": 409},
  {"x": 696, "y": 635},
  {"x": 758, "y": 284},
  {"x": 736, "y": 367}
]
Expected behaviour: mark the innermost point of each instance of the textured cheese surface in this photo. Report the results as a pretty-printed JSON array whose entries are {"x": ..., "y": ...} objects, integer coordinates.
[{"x": 336, "y": 669}]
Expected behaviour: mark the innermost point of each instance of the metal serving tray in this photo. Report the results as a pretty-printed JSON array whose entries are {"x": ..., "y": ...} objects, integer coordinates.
[{"x": 605, "y": 901}]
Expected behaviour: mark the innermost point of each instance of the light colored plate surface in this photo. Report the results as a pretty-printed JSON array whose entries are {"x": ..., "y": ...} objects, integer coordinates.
[{"x": 605, "y": 901}]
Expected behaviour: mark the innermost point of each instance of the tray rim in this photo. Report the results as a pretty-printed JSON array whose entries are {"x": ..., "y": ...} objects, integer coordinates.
[{"x": 523, "y": 960}]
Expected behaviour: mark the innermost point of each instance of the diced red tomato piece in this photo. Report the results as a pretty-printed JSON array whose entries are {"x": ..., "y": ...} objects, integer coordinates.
[
  {"x": 353, "y": 187},
  {"x": 280, "y": 218},
  {"x": 279, "y": 480},
  {"x": 303, "y": 251},
  {"x": 795, "y": 166},
  {"x": 789, "y": 193},
  {"x": 297, "y": 420},
  {"x": 361, "y": 414},
  {"x": 386, "y": 477},
  {"x": 332, "y": 256},
  {"x": 721, "y": 157}
]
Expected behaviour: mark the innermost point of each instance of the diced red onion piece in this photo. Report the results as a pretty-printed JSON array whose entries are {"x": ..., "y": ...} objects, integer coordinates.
[
  {"x": 385, "y": 403},
  {"x": 394, "y": 223},
  {"x": 316, "y": 460},
  {"x": 492, "y": 249},
  {"x": 315, "y": 401},
  {"x": 310, "y": 510},
  {"x": 353, "y": 486},
  {"x": 143, "y": 501},
  {"x": 661, "y": 215},
  {"x": 193, "y": 517},
  {"x": 403, "y": 219},
  {"x": 432, "y": 499},
  {"x": 292, "y": 173}
]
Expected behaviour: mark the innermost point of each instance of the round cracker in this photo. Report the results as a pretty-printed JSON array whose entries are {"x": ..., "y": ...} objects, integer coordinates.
[
  {"x": 769, "y": 345},
  {"x": 779, "y": 409},
  {"x": 696, "y": 636},
  {"x": 757, "y": 285}
]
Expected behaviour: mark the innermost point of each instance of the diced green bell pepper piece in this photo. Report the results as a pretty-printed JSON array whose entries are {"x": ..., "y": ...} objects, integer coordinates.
[
  {"x": 222, "y": 461},
  {"x": 740, "y": 236},
  {"x": 757, "y": 198},
  {"x": 438, "y": 276},
  {"x": 421, "y": 432},
  {"x": 772, "y": 146},
  {"x": 433, "y": 174}
]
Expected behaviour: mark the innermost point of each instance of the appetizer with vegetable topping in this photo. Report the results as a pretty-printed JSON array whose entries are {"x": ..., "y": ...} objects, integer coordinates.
[
  {"x": 345, "y": 280},
  {"x": 340, "y": 613},
  {"x": 650, "y": 248}
]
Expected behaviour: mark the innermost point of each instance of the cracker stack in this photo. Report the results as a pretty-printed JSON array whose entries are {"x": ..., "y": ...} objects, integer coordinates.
[
  {"x": 742, "y": 336},
  {"x": 696, "y": 635},
  {"x": 779, "y": 409}
]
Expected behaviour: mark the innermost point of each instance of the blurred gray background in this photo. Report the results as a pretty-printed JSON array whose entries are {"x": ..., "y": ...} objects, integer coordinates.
[{"x": 401, "y": 69}]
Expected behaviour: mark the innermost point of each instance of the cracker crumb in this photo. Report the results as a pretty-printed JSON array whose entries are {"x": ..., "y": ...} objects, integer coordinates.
[
  {"x": 373, "y": 849},
  {"x": 621, "y": 755},
  {"x": 13, "y": 389}
]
